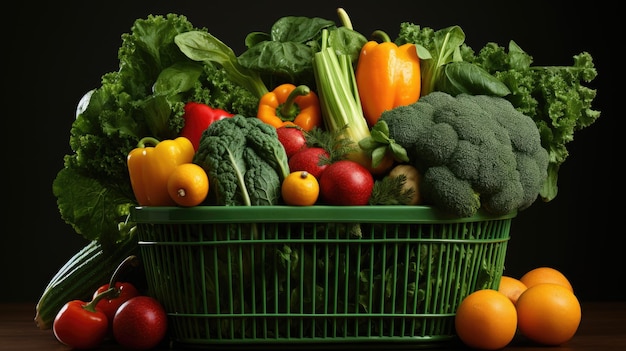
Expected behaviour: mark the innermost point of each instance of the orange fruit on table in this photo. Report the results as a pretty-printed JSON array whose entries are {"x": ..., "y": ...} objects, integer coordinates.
[
  {"x": 511, "y": 287},
  {"x": 188, "y": 185},
  {"x": 545, "y": 275},
  {"x": 486, "y": 319},
  {"x": 300, "y": 188},
  {"x": 548, "y": 314}
]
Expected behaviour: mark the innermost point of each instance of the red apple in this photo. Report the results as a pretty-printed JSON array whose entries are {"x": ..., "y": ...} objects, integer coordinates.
[
  {"x": 346, "y": 183},
  {"x": 309, "y": 159},
  {"x": 292, "y": 139}
]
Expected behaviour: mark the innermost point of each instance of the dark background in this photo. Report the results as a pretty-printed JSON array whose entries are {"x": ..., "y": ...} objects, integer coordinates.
[{"x": 54, "y": 55}]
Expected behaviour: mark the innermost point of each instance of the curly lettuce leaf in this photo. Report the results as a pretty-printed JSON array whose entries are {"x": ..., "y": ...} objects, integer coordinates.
[
  {"x": 145, "y": 97},
  {"x": 557, "y": 98}
]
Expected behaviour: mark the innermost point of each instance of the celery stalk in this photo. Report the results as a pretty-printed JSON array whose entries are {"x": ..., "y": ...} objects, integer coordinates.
[{"x": 339, "y": 97}]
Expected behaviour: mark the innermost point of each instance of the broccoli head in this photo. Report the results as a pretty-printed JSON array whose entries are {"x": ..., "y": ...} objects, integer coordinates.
[{"x": 475, "y": 151}]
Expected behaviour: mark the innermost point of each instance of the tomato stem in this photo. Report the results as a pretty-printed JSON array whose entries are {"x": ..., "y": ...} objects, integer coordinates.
[
  {"x": 91, "y": 305},
  {"x": 130, "y": 260}
]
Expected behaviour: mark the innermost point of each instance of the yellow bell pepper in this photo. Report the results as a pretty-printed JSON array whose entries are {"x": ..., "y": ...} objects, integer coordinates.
[
  {"x": 387, "y": 76},
  {"x": 149, "y": 168},
  {"x": 291, "y": 105}
]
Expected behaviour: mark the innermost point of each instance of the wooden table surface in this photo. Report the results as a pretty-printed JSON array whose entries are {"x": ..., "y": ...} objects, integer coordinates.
[{"x": 603, "y": 327}]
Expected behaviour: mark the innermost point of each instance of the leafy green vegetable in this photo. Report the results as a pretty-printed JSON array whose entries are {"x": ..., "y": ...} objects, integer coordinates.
[
  {"x": 202, "y": 46},
  {"x": 145, "y": 97},
  {"x": 390, "y": 191},
  {"x": 285, "y": 54},
  {"x": 245, "y": 162},
  {"x": 555, "y": 97},
  {"x": 442, "y": 65}
]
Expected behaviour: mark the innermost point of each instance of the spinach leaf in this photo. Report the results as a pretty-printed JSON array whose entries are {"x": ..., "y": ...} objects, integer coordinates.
[
  {"x": 299, "y": 29},
  {"x": 347, "y": 42},
  {"x": 465, "y": 77},
  {"x": 285, "y": 54}
]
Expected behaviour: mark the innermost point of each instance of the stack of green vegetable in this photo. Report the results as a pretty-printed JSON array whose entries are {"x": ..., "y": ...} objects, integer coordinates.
[{"x": 166, "y": 62}]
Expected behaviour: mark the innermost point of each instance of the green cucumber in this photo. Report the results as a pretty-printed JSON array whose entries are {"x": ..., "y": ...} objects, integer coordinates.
[{"x": 88, "y": 269}]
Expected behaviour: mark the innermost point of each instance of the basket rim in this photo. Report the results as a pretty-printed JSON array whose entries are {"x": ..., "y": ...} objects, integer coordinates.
[{"x": 312, "y": 214}]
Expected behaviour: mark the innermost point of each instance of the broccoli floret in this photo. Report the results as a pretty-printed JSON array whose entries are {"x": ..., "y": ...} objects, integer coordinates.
[
  {"x": 245, "y": 162},
  {"x": 443, "y": 188},
  {"x": 474, "y": 151}
]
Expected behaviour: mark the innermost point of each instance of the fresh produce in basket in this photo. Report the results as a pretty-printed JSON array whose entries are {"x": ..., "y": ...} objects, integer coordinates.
[
  {"x": 495, "y": 143},
  {"x": 198, "y": 117},
  {"x": 300, "y": 188},
  {"x": 245, "y": 162},
  {"x": 339, "y": 95},
  {"x": 347, "y": 183},
  {"x": 189, "y": 64},
  {"x": 387, "y": 76},
  {"x": 150, "y": 167},
  {"x": 188, "y": 185},
  {"x": 145, "y": 97},
  {"x": 292, "y": 138},
  {"x": 555, "y": 97},
  {"x": 473, "y": 151},
  {"x": 311, "y": 159},
  {"x": 288, "y": 104}
]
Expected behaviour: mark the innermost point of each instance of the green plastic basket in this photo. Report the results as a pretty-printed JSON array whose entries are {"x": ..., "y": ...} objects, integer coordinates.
[{"x": 321, "y": 274}]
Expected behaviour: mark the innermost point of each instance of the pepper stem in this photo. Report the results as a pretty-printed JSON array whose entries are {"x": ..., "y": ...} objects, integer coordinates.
[
  {"x": 381, "y": 36},
  {"x": 147, "y": 140},
  {"x": 289, "y": 110}
]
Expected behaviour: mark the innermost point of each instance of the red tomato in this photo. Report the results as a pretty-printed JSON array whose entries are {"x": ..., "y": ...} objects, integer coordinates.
[
  {"x": 140, "y": 323},
  {"x": 79, "y": 325},
  {"x": 292, "y": 138},
  {"x": 122, "y": 293},
  {"x": 347, "y": 183}
]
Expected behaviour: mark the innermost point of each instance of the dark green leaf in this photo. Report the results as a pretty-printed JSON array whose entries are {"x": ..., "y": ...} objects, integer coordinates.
[
  {"x": 399, "y": 152},
  {"x": 465, "y": 77},
  {"x": 298, "y": 29},
  {"x": 254, "y": 38},
  {"x": 178, "y": 78},
  {"x": 347, "y": 42},
  {"x": 282, "y": 58},
  {"x": 94, "y": 210}
]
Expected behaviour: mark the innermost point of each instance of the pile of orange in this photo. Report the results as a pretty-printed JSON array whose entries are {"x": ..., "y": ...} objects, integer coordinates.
[{"x": 540, "y": 306}]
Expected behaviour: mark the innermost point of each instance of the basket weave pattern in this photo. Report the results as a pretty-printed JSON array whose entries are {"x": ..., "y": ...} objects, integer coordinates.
[{"x": 319, "y": 280}]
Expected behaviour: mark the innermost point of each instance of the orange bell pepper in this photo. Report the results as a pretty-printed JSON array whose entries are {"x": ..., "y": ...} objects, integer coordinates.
[
  {"x": 291, "y": 105},
  {"x": 387, "y": 76},
  {"x": 149, "y": 168}
]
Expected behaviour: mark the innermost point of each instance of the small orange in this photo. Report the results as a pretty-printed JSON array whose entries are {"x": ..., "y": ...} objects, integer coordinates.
[
  {"x": 548, "y": 314},
  {"x": 511, "y": 287},
  {"x": 545, "y": 275},
  {"x": 486, "y": 319},
  {"x": 188, "y": 185},
  {"x": 300, "y": 188}
]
